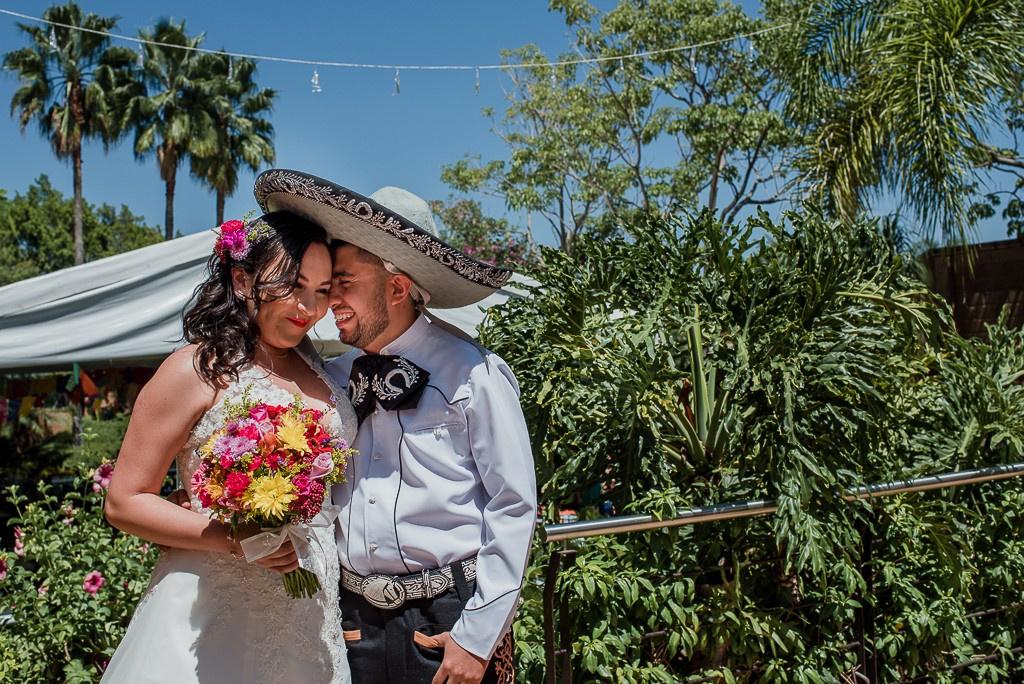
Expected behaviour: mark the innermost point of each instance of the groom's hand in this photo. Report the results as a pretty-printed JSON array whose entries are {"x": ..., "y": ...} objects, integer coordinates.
[
  {"x": 179, "y": 497},
  {"x": 458, "y": 666}
]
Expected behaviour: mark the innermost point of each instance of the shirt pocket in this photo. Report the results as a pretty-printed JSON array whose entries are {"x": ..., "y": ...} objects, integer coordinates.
[{"x": 441, "y": 447}]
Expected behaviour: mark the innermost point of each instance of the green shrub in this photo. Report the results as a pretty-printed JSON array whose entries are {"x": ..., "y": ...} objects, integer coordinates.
[
  {"x": 703, "y": 363},
  {"x": 64, "y": 629}
]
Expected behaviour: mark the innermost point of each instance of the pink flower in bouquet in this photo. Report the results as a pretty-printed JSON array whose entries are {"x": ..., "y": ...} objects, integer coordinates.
[
  {"x": 323, "y": 465},
  {"x": 19, "y": 542},
  {"x": 235, "y": 484},
  {"x": 43, "y": 588},
  {"x": 205, "y": 496},
  {"x": 94, "y": 581},
  {"x": 301, "y": 483},
  {"x": 200, "y": 475},
  {"x": 227, "y": 503},
  {"x": 273, "y": 460},
  {"x": 101, "y": 477},
  {"x": 3, "y": 568},
  {"x": 310, "y": 504},
  {"x": 265, "y": 412},
  {"x": 250, "y": 429}
]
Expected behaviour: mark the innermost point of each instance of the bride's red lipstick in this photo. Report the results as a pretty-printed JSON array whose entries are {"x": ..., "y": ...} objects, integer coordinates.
[{"x": 300, "y": 322}]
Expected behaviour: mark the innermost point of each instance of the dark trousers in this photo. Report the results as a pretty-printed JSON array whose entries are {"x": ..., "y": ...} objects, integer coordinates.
[{"x": 382, "y": 644}]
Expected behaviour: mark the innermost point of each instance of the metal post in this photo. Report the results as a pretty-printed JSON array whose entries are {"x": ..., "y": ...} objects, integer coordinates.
[
  {"x": 867, "y": 572},
  {"x": 867, "y": 657},
  {"x": 565, "y": 625},
  {"x": 549, "y": 617}
]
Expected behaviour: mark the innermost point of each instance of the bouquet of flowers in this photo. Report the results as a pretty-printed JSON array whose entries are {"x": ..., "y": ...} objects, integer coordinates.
[{"x": 272, "y": 466}]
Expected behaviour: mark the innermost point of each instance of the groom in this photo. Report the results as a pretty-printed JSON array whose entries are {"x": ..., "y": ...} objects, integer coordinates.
[{"x": 438, "y": 509}]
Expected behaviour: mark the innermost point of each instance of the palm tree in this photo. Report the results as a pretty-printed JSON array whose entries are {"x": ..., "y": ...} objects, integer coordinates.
[
  {"x": 245, "y": 135},
  {"x": 899, "y": 96},
  {"x": 72, "y": 84},
  {"x": 176, "y": 116}
]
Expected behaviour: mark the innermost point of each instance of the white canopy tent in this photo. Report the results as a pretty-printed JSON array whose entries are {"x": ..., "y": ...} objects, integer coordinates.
[{"x": 125, "y": 310}]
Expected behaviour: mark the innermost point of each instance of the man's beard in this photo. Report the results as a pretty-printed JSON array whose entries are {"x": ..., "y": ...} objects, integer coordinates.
[{"x": 370, "y": 325}]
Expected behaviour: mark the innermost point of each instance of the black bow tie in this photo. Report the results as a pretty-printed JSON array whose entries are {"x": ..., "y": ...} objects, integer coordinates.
[{"x": 390, "y": 381}]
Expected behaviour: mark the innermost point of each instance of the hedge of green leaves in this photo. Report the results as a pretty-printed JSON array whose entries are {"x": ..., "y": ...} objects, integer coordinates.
[{"x": 704, "y": 363}]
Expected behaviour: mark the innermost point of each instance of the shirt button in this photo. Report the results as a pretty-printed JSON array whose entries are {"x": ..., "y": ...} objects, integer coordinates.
[
  {"x": 376, "y": 457},
  {"x": 437, "y": 433},
  {"x": 373, "y": 499},
  {"x": 373, "y": 548}
]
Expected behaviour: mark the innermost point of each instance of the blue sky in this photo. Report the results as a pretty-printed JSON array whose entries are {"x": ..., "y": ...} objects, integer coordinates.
[{"x": 356, "y": 131}]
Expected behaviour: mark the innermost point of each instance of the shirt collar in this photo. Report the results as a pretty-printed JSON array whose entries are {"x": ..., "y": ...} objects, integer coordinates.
[{"x": 408, "y": 339}]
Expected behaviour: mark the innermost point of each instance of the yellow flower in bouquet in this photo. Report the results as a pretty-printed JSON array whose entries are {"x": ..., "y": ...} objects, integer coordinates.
[
  {"x": 271, "y": 495},
  {"x": 207, "y": 449},
  {"x": 292, "y": 434}
]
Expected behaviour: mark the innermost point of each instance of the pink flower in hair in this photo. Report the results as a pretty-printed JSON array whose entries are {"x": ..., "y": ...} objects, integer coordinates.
[{"x": 235, "y": 238}]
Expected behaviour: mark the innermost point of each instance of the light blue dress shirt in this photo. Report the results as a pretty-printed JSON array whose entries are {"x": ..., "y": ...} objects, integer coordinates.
[{"x": 451, "y": 479}]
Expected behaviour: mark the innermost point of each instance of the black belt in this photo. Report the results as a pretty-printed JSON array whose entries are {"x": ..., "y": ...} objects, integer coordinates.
[{"x": 390, "y": 591}]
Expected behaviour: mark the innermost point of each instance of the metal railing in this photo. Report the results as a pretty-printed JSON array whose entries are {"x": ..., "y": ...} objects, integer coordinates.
[{"x": 558, "y": 658}]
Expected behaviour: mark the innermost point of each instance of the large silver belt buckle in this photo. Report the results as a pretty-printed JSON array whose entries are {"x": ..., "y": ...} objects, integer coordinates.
[{"x": 383, "y": 591}]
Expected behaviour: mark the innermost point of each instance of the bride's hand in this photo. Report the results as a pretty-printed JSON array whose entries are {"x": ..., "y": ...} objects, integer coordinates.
[{"x": 282, "y": 561}]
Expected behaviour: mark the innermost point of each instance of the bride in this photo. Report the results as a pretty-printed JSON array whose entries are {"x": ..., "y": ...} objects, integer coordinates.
[{"x": 208, "y": 615}]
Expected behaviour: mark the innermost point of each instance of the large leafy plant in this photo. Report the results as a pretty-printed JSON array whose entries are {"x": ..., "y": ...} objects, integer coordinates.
[{"x": 702, "y": 362}]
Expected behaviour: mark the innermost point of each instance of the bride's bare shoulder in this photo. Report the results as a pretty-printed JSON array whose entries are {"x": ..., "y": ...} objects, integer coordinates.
[{"x": 179, "y": 373}]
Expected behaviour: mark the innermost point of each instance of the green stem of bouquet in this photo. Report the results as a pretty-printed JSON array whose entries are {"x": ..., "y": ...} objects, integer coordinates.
[{"x": 301, "y": 583}]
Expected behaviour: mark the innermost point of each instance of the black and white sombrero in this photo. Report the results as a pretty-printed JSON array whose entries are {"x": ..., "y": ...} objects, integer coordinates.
[{"x": 393, "y": 224}]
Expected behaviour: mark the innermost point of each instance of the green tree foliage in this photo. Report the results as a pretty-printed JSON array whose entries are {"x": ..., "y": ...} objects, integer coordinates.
[
  {"x": 908, "y": 97},
  {"x": 464, "y": 225},
  {"x": 73, "y": 89},
  {"x": 33, "y": 240},
  {"x": 244, "y": 131},
  {"x": 1007, "y": 164},
  {"x": 590, "y": 144},
  {"x": 174, "y": 112},
  {"x": 703, "y": 362}
]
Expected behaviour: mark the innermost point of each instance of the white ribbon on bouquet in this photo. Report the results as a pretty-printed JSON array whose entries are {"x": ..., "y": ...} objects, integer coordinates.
[{"x": 267, "y": 542}]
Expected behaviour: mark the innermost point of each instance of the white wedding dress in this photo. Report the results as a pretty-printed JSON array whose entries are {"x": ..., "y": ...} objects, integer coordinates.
[{"x": 208, "y": 618}]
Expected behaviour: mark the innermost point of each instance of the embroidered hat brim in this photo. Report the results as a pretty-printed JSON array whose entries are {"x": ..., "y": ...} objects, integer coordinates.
[{"x": 452, "y": 278}]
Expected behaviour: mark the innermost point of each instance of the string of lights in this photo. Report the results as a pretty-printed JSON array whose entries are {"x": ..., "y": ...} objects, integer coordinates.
[{"x": 397, "y": 68}]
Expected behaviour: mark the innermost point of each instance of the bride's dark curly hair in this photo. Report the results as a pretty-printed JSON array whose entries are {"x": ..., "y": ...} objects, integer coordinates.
[{"x": 218, "y": 320}]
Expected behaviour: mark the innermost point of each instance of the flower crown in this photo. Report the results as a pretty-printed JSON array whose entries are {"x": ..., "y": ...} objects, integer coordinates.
[{"x": 235, "y": 238}]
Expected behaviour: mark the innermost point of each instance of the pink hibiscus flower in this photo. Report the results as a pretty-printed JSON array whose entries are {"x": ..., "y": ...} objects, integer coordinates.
[{"x": 94, "y": 581}]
